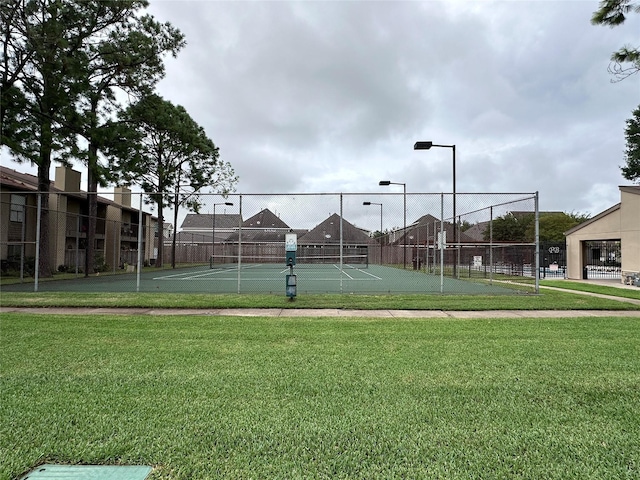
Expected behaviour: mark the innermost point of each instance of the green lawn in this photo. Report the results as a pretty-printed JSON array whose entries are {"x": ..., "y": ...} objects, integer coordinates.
[
  {"x": 594, "y": 288},
  {"x": 547, "y": 300},
  {"x": 248, "y": 397}
]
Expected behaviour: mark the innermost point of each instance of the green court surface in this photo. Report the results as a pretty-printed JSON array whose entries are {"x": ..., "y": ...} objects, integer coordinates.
[{"x": 271, "y": 278}]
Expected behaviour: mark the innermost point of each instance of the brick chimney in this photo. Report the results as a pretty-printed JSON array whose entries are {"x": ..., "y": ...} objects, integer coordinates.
[
  {"x": 122, "y": 196},
  {"x": 67, "y": 179}
]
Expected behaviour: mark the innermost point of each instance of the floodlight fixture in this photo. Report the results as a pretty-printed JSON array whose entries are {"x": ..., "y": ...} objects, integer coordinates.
[
  {"x": 379, "y": 204},
  {"x": 427, "y": 146},
  {"x": 384, "y": 183},
  {"x": 423, "y": 145}
]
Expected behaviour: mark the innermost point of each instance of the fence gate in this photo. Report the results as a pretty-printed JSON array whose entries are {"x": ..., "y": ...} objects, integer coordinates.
[
  {"x": 603, "y": 259},
  {"x": 553, "y": 259}
]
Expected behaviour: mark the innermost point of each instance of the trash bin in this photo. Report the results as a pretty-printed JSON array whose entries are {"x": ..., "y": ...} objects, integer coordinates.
[{"x": 585, "y": 273}]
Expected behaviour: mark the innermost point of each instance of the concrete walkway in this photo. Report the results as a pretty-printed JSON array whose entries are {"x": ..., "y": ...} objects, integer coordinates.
[{"x": 330, "y": 312}]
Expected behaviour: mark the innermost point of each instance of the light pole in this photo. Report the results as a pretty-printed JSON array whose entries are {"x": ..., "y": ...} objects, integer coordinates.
[
  {"x": 427, "y": 146},
  {"x": 380, "y": 237},
  {"x": 213, "y": 232},
  {"x": 384, "y": 183}
]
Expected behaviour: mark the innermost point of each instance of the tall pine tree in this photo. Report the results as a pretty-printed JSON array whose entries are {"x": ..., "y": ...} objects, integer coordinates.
[
  {"x": 632, "y": 152},
  {"x": 62, "y": 60},
  {"x": 166, "y": 149}
]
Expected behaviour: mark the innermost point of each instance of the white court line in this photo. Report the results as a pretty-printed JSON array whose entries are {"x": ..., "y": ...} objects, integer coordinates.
[
  {"x": 205, "y": 275},
  {"x": 372, "y": 275},
  {"x": 345, "y": 273},
  {"x": 208, "y": 274},
  {"x": 183, "y": 276},
  {"x": 167, "y": 277},
  {"x": 263, "y": 279},
  {"x": 359, "y": 270}
]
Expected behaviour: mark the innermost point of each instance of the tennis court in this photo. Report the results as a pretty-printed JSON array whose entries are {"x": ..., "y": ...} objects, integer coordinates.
[
  {"x": 341, "y": 244},
  {"x": 270, "y": 278}
]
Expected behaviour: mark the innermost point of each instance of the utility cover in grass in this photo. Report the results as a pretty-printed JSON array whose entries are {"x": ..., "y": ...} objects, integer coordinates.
[{"x": 88, "y": 472}]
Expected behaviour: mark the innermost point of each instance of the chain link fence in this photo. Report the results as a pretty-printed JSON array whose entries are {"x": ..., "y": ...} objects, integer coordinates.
[{"x": 381, "y": 243}]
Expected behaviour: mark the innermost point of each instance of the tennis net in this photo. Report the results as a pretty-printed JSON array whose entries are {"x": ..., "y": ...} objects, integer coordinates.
[{"x": 358, "y": 261}]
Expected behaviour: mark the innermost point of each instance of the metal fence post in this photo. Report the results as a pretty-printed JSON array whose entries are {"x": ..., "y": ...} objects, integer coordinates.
[
  {"x": 239, "y": 242},
  {"x": 442, "y": 243},
  {"x": 160, "y": 239},
  {"x": 341, "y": 246},
  {"x": 537, "y": 262},
  {"x": 36, "y": 271},
  {"x": 116, "y": 249},
  {"x": 491, "y": 245}
]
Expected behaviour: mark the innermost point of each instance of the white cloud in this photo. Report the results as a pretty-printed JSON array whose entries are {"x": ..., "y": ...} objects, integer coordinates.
[{"x": 331, "y": 96}]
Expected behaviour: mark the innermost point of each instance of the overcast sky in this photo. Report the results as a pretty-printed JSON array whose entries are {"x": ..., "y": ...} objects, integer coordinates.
[{"x": 331, "y": 96}]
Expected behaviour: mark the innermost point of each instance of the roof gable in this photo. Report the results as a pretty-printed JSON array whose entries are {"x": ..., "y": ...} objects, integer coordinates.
[
  {"x": 204, "y": 221},
  {"x": 329, "y": 232},
  {"x": 598, "y": 217},
  {"x": 264, "y": 219},
  {"x": 427, "y": 219}
]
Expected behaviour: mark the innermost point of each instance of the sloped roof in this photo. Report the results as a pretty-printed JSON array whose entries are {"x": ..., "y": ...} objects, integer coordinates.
[
  {"x": 25, "y": 182},
  {"x": 422, "y": 230},
  {"x": 259, "y": 236},
  {"x": 263, "y": 227},
  {"x": 425, "y": 220},
  {"x": 264, "y": 219},
  {"x": 417, "y": 231},
  {"x": 425, "y": 232},
  {"x": 196, "y": 237},
  {"x": 204, "y": 221},
  {"x": 633, "y": 189},
  {"x": 10, "y": 178},
  {"x": 329, "y": 232},
  {"x": 593, "y": 219},
  {"x": 476, "y": 231}
]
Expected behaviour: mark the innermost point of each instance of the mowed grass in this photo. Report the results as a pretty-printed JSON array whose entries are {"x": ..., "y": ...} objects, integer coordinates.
[
  {"x": 204, "y": 397},
  {"x": 547, "y": 300},
  {"x": 633, "y": 293}
]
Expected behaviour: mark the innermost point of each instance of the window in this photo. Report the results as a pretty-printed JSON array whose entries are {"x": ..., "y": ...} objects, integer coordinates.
[{"x": 18, "y": 203}]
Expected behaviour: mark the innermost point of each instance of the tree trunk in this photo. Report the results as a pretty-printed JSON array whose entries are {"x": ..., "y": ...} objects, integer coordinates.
[
  {"x": 175, "y": 222},
  {"x": 160, "y": 203},
  {"x": 160, "y": 259},
  {"x": 92, "y": 188},
  {"x": 44, "y": 187}
]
